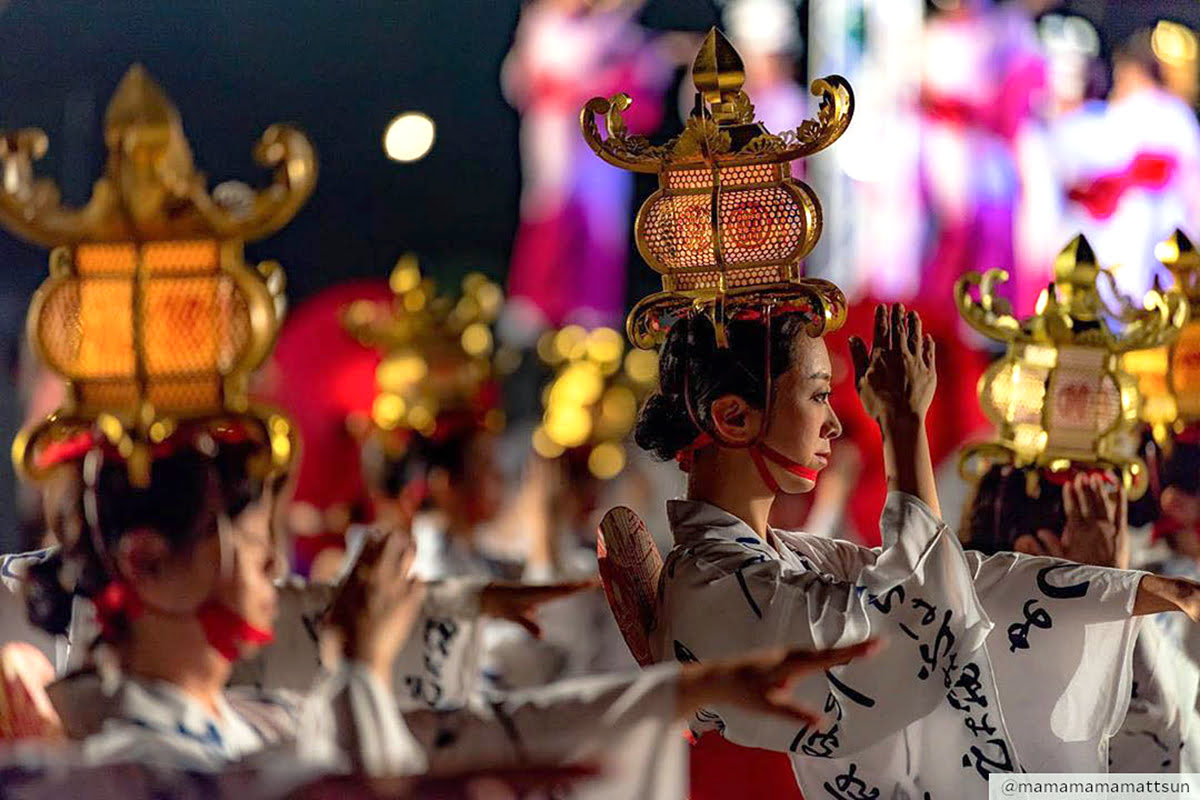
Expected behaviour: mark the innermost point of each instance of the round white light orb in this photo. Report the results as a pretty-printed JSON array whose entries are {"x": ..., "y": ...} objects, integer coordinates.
[{"x": 409, "y": 137}]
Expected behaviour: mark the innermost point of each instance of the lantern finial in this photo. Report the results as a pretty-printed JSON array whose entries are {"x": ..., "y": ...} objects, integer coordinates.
[
  {"x": 150, "y": 188},
  {"x": 728, "y": 227},
  {"x": 718, "y": 74}
]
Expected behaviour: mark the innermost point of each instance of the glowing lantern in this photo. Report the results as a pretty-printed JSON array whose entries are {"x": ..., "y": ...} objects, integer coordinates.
[
  {"x": 1169, "y": 376},
  {"x": 1059, "y": 396},
  {"x": 592, "y": 400},
  {"x": 728, "y": 226},
  {"x": 437, "y": 367},
  {"x": 150, "y": 313}
]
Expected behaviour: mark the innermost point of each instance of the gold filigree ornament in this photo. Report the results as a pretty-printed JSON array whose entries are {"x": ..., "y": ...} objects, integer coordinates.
[
  {"x": 1169, "y": 375},
  {"x": 728, "y": 227},
  {"x": 591, "y": 403},
  {"x": 150, "y": 313},
  {"x": 1059, "y": 397},
  {"x": 439, "y": 356}
]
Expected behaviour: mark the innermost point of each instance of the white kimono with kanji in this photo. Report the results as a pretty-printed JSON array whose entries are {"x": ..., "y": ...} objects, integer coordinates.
[
  {"x": 623, "y": 724},
  {"x": 992, "y": 665},
  {"x": 1161, "y": 732},
  {"x": 437, "y": 666}
]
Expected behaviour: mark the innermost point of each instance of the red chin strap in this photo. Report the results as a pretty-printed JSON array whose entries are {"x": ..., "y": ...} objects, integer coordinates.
[
  {"x": 760, "y": 454},
  {"x": 227, "y": 631},
  {"x": 224, "y": 628}
]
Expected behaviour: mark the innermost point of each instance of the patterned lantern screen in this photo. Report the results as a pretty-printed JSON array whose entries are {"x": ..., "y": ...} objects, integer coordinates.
[{"x": 161, "y": 322}]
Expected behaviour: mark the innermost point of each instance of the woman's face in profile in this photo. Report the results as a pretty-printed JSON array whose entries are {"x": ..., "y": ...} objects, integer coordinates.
[
  {"x": 247, "y": 586},
  {"x": 803, "y": 424}
]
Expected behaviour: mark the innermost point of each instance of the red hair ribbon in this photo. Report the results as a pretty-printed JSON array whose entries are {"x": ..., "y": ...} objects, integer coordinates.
[
  {"x": 68, "y": 449},
  {"x": 1165, "y": 526},
  {"x": 115, "y": 600},
  {"x": 687, "y": 455},
  {"x": 1065, "y": 476},
  {"x": 226, "y": 630},
  {"x": 1189, "y": 435},
  {"x": 75, "y": 447}
]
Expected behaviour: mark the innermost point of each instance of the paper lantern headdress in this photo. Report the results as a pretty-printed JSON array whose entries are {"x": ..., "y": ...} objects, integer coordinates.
[
  {"x": 150, "y": 313},
  {"x": 728, "y": 226},
  {"x": 1059, "y": 397},
  {"x": 1169, "y": 375},
  {"x": 437, "y": 373}
]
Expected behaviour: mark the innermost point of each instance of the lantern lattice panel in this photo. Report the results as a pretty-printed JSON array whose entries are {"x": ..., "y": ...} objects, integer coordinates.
[
  {"x": 1185, "y": 372},
  {"x": 165, "y": 322},
  {"x": 763, "y": 219}
]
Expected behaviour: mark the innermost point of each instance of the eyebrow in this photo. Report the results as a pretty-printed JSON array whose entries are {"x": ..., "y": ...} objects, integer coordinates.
[{"x": 820, "y": 376}]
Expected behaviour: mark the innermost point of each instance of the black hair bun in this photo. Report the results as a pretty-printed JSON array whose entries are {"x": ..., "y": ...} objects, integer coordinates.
[
  {"x": 46, "y": 601},
  {"x": 664, "y": 426}
]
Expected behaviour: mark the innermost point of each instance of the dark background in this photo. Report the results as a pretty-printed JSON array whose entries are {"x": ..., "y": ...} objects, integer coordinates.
[{"x": 340, "y": 72}]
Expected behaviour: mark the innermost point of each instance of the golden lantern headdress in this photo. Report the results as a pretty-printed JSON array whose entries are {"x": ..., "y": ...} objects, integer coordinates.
[
  {"x": 1059, "y": 397},
  {"x": 590, "y": 404},
  {"x": 437, "y": 376},
  {"x": 728, "y": 227},
  {"x": 150, "y": 313},
  {"x": 1169, "y": 375}
]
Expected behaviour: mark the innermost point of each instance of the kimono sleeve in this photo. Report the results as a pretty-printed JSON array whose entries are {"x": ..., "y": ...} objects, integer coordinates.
[
  {"x": 437, "y": 664},
  {"x": 14, "y": 618},
  {"x": 1061, "y": 653},
  {"x": 917, "y": 594},
  {"x": 623, "y": 724},
  {"x": 1161, "y": 731},
  {"x": 352, "y": 716}
]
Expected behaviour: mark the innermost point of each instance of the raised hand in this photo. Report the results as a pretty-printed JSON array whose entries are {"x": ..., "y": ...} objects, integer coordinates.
[
  {"x": 378, "y": 603},
  {"x": 761, "y": 682},
  {"x": 896, "y": 380},
  {"x": 517, "y": 602},
  {"x": 1096, "y": 531}
]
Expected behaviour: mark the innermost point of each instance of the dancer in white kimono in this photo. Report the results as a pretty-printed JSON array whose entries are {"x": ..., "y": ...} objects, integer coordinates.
[
  {"x": 181, "y": 574},
  {"x": 1086, "y": 522},
  {"x": 435, "y": 666},
  {"x": 995, "y": 664}
]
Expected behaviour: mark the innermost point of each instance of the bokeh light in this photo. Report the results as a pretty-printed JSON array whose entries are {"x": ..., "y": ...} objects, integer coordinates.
[{"x": 409, "y": 137}]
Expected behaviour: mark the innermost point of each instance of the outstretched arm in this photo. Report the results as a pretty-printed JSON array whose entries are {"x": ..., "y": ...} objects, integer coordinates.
[{"x": 587, "y": 718}]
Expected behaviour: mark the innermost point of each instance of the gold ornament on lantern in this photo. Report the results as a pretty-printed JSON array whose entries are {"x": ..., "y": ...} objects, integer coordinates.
[
  {"x": 1169, "y": 375},
  {"x": 1059, "y": 396},
  {"x": 728, "y": 227},
  {"x": 593, "y": 398},
  {"x": 438, "y": 354},
  {"x": 150, "y": 313}
]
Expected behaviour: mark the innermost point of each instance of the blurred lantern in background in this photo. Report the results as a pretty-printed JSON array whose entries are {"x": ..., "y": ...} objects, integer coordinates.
[
  {"x": 728, "y": 226},
  {"x": 1175, "y": 47},
  {"x": 150, "y": 313},
  {"x": 1169, "y": 376},
  {"x": 1059, "y": 397},
  {"x": 437, "y": 373},
  {"x": 591, "y": 403}
]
